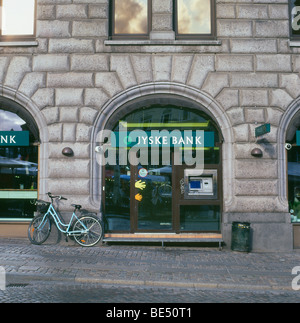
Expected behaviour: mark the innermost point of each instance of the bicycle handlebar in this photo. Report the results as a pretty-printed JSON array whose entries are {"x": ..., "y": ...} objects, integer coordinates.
[{"x": 56, "y": 197}]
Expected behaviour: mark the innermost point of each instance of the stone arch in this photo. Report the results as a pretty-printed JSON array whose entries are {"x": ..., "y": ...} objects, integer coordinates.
[
  {"x": 31, "y": 110},
  {"x": 165, "y": 91}
]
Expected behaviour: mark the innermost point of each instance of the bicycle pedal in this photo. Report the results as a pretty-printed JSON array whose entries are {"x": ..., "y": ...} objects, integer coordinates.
[{"x": 67, "y": 240}]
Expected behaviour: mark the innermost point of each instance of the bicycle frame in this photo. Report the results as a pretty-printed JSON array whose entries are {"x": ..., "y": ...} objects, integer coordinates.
[{"x": 59, "y": 224}]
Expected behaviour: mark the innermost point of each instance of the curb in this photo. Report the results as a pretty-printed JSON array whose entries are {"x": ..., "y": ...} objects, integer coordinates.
[
  {"x": 17, "y": 277},
  {"x": 181, "y": 284}
]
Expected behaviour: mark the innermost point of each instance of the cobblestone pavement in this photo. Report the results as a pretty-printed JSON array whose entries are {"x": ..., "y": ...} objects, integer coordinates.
[
  {"x": 66, "y": 292},
  {"x": 144, "y": 274}
]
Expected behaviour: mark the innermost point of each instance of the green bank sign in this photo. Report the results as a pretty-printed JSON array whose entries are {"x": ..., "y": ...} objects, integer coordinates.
[
  {"x": 262, "y": 130},
  {"x": 163, "y": 138},
  {"x": 14, "y": 138}
]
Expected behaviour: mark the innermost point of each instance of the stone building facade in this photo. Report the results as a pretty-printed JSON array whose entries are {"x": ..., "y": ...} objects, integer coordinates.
[{"x": 73, "y": 78}]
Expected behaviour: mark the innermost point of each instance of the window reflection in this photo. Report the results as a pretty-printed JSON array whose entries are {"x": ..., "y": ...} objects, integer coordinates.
[
  {"x": 200, "y": 218},
  {"x": 194, "y": 16},
  {"x": 294, "y": 182},
  {"x": 117, "y": 198},
  {"x": 18, "y": 171},
  {"x": 10, "y": 121},
  {"x": 155, "y": 208},
  {"x": 295, "y": 18},
  {"x": 18, "y": 165},
  {"x": 18, "y": 168},
  {"x": 16, "y": 208},
  {"x": 131, "y": 17},
  {"x": 18, "y": 17}
]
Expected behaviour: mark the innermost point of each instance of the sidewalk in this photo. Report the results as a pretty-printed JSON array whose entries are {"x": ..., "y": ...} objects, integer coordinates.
[{"x": 188, "y": 267}]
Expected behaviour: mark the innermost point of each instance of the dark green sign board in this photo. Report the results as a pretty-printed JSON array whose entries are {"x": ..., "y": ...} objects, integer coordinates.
[
  {"x": 156, "y": 138},
  {"x": 298, "y": 138},
  {"x": 262, "y": 130},
  {"x": 14, "y": 138}
]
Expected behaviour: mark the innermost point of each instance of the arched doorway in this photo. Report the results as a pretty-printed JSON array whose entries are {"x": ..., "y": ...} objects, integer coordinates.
[
  {"x": 18, "y": 162},
  {"x": 293, "y": 157},
  {"x": 160, "y": 187},
  {"x": 292, "y": 147},
  {"x": 167, "y": 93}
]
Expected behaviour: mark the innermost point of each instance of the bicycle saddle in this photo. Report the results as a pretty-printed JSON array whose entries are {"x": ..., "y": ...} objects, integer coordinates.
[{"x": 78, "y": 207}]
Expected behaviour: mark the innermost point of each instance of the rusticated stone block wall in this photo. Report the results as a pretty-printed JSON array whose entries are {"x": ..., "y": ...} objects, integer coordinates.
[{"x": 250, "y": 71}]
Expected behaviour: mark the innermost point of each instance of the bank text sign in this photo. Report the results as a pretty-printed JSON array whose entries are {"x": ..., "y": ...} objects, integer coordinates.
[
  {"x": 14, "y": 138},
  {"x": 163, "y": 138},
  {"x": 138, "y": 146}
]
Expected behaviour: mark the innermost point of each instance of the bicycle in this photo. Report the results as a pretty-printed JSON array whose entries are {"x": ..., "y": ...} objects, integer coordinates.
[{"x": 86, "y": 229}]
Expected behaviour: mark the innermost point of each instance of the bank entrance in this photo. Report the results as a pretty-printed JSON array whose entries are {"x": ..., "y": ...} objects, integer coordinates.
[
  {"x": 293, "y": 176},
  {"x": 165, "y": 172}
]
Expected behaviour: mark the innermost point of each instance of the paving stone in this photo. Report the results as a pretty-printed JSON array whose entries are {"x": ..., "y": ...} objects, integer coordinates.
[{"x": 129, "y": 273}]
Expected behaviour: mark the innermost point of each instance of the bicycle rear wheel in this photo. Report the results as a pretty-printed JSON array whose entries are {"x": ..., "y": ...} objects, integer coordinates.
[
  {"x": 94, "y": 230},
  {"x": 39, "y": 230}
]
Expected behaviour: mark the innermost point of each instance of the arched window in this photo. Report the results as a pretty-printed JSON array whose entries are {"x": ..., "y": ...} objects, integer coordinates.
[
  {"x": 18, "y": 161},
  {"x": 293, "y": 153},
  {"x": 150, "y": 195}
]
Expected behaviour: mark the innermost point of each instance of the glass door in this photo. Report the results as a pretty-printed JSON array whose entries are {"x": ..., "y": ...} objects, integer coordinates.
[
  {"x": 138, "y": 198},
  {"x": 153, "y": 198},
  {"x": 117, "y": 181}
]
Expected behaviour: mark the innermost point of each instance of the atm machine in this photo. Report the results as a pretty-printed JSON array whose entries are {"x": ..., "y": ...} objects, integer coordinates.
[{"x": 200, "y": 184}]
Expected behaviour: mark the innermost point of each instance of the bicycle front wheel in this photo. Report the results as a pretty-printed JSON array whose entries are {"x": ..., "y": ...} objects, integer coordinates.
[
  {"x": 39, "y": 230},
  {"x": 91, "y": 229}
]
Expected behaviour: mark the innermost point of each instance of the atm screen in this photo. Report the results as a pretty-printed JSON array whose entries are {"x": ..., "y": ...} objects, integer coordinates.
[{"x": 195, "y": 185}]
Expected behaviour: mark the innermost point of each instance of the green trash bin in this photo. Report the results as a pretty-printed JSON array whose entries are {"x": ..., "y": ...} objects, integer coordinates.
[{"x": 240, "y": 240}]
